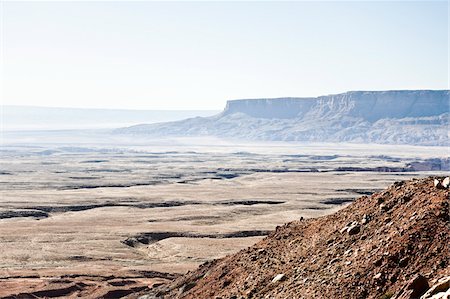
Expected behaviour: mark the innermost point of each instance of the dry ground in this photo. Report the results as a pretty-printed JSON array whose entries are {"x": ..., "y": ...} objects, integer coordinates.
[
  {"x": 68, "y": 211},
  {"x": 394, "y": 242}
]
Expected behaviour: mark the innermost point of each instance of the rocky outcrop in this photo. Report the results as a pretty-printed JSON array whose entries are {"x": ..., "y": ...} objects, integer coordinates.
[
  {"x": 414, "y": 288},
  {"x": 369, "y": 106},
  {"x": 444, "y": 184},
  {"x": 398, "y": 117},
  {"x": 440, "y": 290},
  {"x": 393, "y": 244}
]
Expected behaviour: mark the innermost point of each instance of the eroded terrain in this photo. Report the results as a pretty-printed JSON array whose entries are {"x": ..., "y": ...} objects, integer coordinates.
[{"x": 105, "y": 217}]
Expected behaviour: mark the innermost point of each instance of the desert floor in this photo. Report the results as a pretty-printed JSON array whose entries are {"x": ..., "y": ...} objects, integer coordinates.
[{"x": 150, "y": 211}]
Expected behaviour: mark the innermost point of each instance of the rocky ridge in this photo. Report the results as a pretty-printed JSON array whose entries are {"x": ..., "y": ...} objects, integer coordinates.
[
  {"x": 418, "y": 117},
  {"x": 393, "y": 244}
]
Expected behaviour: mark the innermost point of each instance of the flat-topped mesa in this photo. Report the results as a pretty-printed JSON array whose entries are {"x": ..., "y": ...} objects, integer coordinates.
[
  {"x": 417, "y": 117},
  {"x": 368, "y": 105},
  {"x": 271, "y": 108}
]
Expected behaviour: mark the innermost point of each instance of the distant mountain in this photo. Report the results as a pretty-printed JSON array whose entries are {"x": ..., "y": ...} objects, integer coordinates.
[
  {"x": 419, "y": 117},
  {"x": 53, "y": 118}
]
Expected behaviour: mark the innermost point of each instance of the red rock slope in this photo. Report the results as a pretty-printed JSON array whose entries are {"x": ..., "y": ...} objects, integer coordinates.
[{"x": 370, "y": 249}]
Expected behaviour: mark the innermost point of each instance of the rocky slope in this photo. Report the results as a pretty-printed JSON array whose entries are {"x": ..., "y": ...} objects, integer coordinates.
[
  {"x": 399, "y": 117},
  {"x": 393, "y": 244}
]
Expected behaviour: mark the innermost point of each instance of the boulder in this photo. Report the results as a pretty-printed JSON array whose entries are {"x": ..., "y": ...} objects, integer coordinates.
[
  {"x": 440, "y": 290},
  {"x": 437, "y": 184},
  {"x": 279, "y": 277},
  {"x": 446, "y": 182},
  {"x": 353, "y": 229},
  {"x": 413, "y": 289},
  {"x": 365, "y": 219}
]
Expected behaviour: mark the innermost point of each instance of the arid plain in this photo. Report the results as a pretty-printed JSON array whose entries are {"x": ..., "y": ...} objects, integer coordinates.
[{"x": 145, "y": 213}]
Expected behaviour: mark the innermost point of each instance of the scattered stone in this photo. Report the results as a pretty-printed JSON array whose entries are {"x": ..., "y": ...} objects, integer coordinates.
[
  {"x": 353, "y": 229},
  {"x": 343, "y": 230},
  {"x": 393, "y": 251},
  {"x": 334, "y": 260},
  {"x": 437, "y": 184},
  {"x": 279, "y": 277},
  {"x": 446, "y": 182},
  {"x": 365, "y": 219}
]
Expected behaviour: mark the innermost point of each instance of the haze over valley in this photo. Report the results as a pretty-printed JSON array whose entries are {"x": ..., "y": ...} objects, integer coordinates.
[
  {"x": 29, "y": 118},
  {"x": 119, "y": 210},
  {"x": 224, "y": 149}
]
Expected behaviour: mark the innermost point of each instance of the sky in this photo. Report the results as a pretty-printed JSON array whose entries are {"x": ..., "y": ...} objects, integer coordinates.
[{"x": 198, "y": 55}]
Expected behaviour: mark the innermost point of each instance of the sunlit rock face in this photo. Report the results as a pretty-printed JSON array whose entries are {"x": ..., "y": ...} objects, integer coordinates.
[
  {"x": 368, "y": 105},
  {"x": 271, "y": 108},
  {"x": 418, "y": 117}
]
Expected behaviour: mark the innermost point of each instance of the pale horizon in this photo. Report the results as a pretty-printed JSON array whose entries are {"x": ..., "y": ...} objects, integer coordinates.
[
  {"x": 198, "y": 55},
  {"x": 200, "y": 109},
  {"x": 212, "y": 149}
]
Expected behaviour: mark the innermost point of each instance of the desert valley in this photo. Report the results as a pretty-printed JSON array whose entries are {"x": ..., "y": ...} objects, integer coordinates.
[
  {"x": 224, "y": 149},
  {"x": 119, "y": 213}
]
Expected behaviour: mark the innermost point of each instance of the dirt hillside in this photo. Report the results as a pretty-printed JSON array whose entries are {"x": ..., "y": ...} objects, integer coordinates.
[{"x": 393, "y": 244}]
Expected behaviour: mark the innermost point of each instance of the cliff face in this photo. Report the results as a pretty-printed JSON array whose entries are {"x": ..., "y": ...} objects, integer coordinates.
[
  {"x": 418, "y": 117},
  {"x": 271, "y": 108},
  {"x": 368, "y": 105}
]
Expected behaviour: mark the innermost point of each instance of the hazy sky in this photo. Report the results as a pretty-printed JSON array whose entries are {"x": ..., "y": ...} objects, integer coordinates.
[{"x": 197, "y": 55}]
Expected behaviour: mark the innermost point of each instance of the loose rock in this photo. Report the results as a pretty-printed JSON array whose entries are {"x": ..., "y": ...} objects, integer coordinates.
[
  {"x": 316, "y": 261},
  {"x": 437, "y": 184},
  {"x": 446, "y": 182},
  {"x": 279, "y": 277},
  {"x": 441, "y": 290},
  {"x": 353, "y": 229},
  {"x": 365, "y": 219},
  {"x": 415, "y": 287}
]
